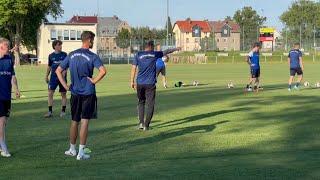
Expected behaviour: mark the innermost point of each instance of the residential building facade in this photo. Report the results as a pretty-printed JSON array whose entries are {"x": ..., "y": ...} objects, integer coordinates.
[{"x": 68, "y": 33}]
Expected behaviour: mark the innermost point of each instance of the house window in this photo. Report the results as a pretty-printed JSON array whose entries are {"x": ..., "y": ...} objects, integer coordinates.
[
  {"x": 72, "y": 35},
  {"x": 115, "y": 48},
  {"x": 187, "y": 40},
  {"x": 218, "y": 40},
  {"x": 66, "y": 35},
  {"x": 225, "y": 32},
  {"x": 196, "y": 40},
  {"x": 79, "y": 35},
  {"x": 60, "y": 35},
  {"x": 53, "y": 34},
  {"x": 225, "y": 40}
]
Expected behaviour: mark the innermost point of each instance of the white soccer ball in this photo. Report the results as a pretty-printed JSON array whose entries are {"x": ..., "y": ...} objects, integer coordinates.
[
  {"x": 195, "y": 83},
  {"x": 230, "y": 85},
  {"x": 306, "y": 84},
  {"x": 317, "y": 85}
]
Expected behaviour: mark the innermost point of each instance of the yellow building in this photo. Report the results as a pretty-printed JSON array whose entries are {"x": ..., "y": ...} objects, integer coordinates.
[
  {"x": 68, "y": 33},
  {"x": 188, "y": 34}
]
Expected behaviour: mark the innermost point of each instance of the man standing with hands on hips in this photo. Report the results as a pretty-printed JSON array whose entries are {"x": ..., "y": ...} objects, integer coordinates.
[{"x": 81, "y": 63}]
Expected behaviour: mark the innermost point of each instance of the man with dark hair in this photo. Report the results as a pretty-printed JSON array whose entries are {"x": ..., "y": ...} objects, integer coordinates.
[
  {"x": 81, "y": 64},
  {"x": 295, "y": 65},
  {"x": 253, "y": 59},
  {"x": 7, "y": 80},
  {"x": 54, "y": 61},
  {"x": 145, "y": 84}
]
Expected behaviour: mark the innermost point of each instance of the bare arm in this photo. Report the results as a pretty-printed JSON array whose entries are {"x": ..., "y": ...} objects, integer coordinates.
[
  {"x": 101, "y": 74},
  {"x": 289, "y": 62},
  {"x": 248, "y": 60},
  {"x": 133, "y": 76},
  {"x": 59, "y": 73},
  {"x": 169, "y": 51},
  {"x": 301, "y": 63},
  {"x": 47, "y": 74},
  {"x": 14, "y": 83}
]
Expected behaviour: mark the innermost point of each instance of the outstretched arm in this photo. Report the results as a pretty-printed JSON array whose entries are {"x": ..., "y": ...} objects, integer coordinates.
[{"x": 169, "y": 51}]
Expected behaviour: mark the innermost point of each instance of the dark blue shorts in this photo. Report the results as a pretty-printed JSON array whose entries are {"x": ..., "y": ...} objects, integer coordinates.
[
  {"x": 54, "y": 83},
  {"x": 255, "y": 73},
  {"x": 294, "y": 71}
]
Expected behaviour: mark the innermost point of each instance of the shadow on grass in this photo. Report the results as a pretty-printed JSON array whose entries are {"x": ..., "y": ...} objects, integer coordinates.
[{"x": 162, "y": 136}]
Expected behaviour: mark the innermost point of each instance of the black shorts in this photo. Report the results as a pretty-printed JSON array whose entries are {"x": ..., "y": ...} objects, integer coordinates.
[
  {"x": 83, "y": 107},
  {"x": 294, "y": 71},
  {"x": 255, "y": 73},
  {"x": 53, "y": 84},
  {"x": 162, "y": 71},
  {"x": 5, "y": 107}
]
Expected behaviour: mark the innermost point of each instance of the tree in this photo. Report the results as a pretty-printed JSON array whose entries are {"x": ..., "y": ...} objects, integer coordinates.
[
  {"x": 228, "y": 18},
  {"x": 302, "y": 15},
  {"x": 21, "y": 19},
  {"x": 123, "y": 39},
  {"x": 249, "y": 21}
]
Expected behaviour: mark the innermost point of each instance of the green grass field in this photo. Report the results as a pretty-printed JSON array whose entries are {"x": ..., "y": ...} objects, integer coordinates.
[{"x": 205, "y": 132}]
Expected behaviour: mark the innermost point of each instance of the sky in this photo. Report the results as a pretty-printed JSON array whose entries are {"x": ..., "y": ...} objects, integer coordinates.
[{"x": 152, "y": 13}]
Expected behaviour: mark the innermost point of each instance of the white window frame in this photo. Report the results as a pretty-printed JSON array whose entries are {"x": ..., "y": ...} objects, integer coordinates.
[
  {"x": 64, "y": 33},
  {"x": 53, "y": 32},
  {"x": 75, "y": 35},
  {"x": 60, "y": 35},
  {"x": 79, "y": 32}
]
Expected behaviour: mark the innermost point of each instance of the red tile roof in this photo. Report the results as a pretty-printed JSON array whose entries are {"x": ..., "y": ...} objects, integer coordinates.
[
  {"x": 186, "y": 26},
  {"x": 84, "y": 19},
  {"x": 218, "y": 25}
]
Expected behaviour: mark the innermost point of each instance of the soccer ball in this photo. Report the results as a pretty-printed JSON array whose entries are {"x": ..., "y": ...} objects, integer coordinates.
[
  {"x": 317, "y": 85},
  {"x": 230, "y": 85},
  {"x": 306, "y": 84},
  {"x": 195, "y": 83}
]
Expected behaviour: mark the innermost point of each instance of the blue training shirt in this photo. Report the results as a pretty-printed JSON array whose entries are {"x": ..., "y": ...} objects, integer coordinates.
[
  {"x": 81, "y": 64},
  {"x": 146, "y": 62},
  {"x": 54, "y": 61},
  {"x": 295, "y": 56},
  {"x": 160, "y": 64},
  {"x": 254, "y": 60},
  {"x": 6, "y": 73}
]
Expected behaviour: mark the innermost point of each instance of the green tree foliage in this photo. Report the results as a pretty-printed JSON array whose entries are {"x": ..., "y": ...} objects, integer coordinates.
[
  {"x": 20, "y": 19},
  {"x": 123, "y": 38},
  {"x": 304, "y": 15},
  {"x": 249, "y": 21}
]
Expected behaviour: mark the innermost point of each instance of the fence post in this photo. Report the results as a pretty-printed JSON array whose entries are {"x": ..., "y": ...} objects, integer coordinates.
[
  {"x": 109, "y": 61},
  {"x": 232, "y": 59},
  {"x": 265, "y": 59},
  {"x": 128, "y": 60},
  {"x": 216, "y": 59},
  {"x": 313, "y": 58},
  {"x": 281, "y": 58}
]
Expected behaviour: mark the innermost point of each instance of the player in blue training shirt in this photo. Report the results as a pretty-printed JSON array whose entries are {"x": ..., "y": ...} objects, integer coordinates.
[
  {"x": 54, "y": 61},
  {"x": 253, "y": 59},
  {"x": 161, "y": 64},
  {"x": 81, "y": 64},
  {"x": 145, "y": 83},
  {"x": 7, "y": 80},
  {"x": 296, "y": 66}
]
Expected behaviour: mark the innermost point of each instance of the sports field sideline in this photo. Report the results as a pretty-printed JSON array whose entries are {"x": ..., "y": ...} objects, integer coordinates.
[{"x": 207, "y": 131}]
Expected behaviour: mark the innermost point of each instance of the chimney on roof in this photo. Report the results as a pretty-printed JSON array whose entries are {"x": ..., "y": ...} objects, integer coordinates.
[{"x": 115, "y": 17}]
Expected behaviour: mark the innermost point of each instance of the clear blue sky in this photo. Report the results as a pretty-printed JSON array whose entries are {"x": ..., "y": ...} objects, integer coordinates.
[{"x": 153, "y": 12}]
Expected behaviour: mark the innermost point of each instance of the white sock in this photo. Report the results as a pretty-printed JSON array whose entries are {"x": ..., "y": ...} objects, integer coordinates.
[
  {"x": 81, "y": 149},
  {"x": 3, "y": 146},
  {"x": 72, "y": 147}
]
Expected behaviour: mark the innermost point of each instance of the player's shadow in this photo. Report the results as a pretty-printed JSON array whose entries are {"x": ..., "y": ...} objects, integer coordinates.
[
  {"x": 161, "y": 137},
  {"x": 197, "y": 117}
]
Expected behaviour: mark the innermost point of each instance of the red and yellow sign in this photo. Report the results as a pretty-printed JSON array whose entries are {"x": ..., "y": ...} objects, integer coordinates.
[{"x": 266, "y": 34}]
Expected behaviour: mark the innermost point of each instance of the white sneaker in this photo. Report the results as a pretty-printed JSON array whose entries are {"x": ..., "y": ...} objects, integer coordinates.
[
  {"x": 289, "y": 89},
  {"x": 62, "y": 114},
  {"x": 83, "y": 157},
  {"x": 5, "y": 154},
  {"x": 71, "y": 152}
]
